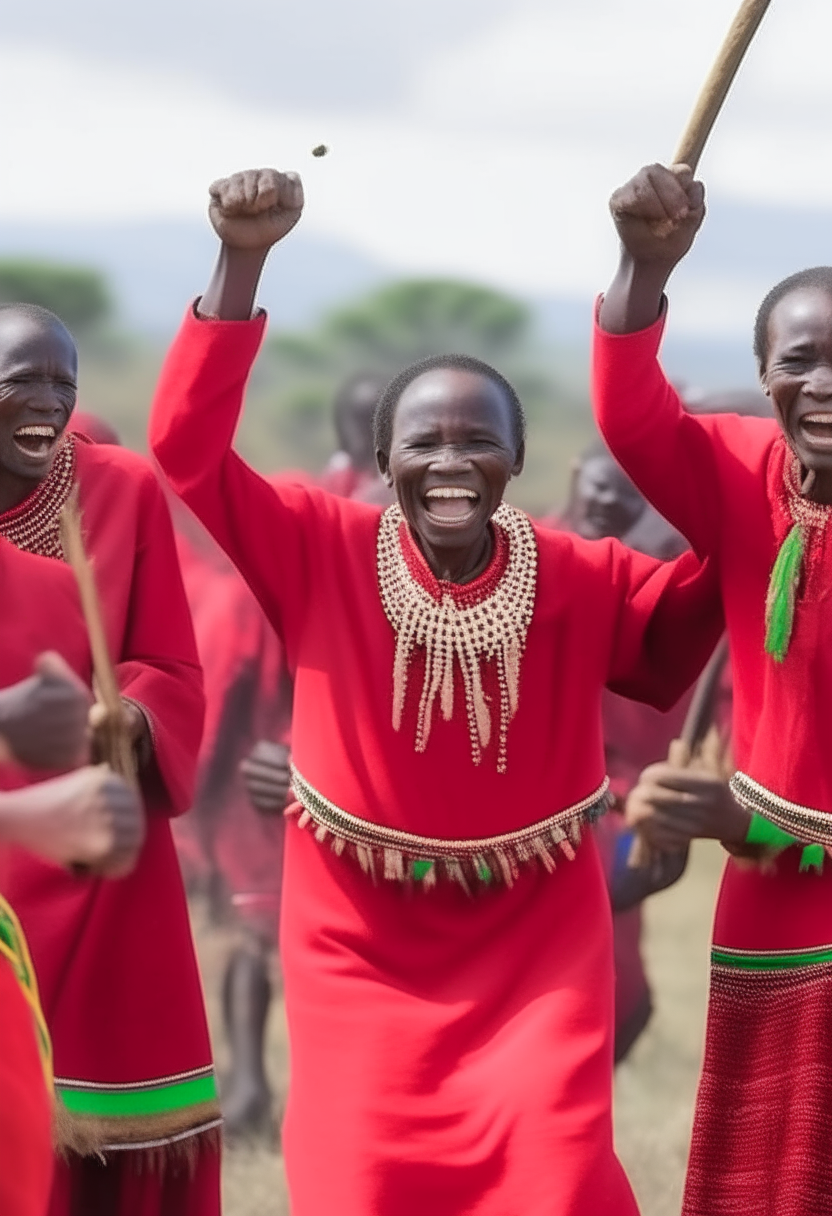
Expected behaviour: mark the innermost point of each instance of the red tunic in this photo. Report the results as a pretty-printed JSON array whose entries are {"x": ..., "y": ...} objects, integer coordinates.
[
  {"x": 763, "y": 1132},
  {"x": 118, "y": 976},
  {"x": 449, "y": 1054}
]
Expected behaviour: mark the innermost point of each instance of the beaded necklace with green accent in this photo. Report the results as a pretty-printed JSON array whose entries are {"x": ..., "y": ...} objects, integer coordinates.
[{"x": 784, "y": 584}]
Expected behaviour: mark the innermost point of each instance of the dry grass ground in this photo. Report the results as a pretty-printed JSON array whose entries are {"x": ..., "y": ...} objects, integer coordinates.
[{"x": 655, "y": 1088}]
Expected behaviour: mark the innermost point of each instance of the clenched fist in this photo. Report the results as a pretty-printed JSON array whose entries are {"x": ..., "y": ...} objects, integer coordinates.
[
  {"x": 90, "y": 818},
  {"x": 658, "y": 213},
  {"x": 256, "y": 208},
  {"x": 43, "y": 720},
  {"x": 267, "y": 776}
]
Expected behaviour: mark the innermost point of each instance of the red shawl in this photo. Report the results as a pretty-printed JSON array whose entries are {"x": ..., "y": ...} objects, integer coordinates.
[{"x": 118, "y": 976}]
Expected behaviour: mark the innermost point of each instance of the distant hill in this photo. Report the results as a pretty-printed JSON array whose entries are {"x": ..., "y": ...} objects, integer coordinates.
[{"x": 156, "y": 266}]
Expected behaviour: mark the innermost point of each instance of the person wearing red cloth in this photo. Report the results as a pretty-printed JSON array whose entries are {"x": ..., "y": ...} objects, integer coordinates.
[
  {"x": 232, "y": 845},
  {"x": 115, "y": 962},
  {"x": 756, "y": 496},
  {"x": 604, "y": 502},
  {"x": 445, "y": 932},
  {"x": 89, "y": 817}
]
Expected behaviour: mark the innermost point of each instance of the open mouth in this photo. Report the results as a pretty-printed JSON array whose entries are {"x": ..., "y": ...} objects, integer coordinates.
[
  {"x": 35, "y": 442},
  {"x": 451, "y": 504},
  {"x": 817, "y": 428}
]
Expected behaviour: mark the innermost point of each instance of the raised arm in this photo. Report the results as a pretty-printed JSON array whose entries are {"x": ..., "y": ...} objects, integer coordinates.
[
  {"x": 667, "y": 452},
  {"x": 201, "y": 391}
]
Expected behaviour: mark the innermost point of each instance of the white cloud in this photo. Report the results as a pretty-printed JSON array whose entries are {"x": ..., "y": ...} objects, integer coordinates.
[{"x": 499, "y": 167}]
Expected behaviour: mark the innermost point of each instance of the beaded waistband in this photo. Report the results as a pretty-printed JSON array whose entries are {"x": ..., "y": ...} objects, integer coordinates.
[
  {"x": 803, "y": 822},
  {"x": 404, "y": 857}
]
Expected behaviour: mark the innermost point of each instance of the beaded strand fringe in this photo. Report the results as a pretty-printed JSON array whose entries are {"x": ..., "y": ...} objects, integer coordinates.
[
  {"x": 495, "y": 628},
  {"x": 399, "y": 856}
]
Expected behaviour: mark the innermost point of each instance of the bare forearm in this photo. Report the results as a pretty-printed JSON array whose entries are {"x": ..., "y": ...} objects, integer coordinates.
[
  {"x": 634, "y": 299},
  {"x": 232, "y": 292}
]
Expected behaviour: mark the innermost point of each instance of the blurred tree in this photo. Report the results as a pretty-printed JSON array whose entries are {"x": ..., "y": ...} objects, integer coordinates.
[
  {"x": 77, "y": 294},
  {"x": 392, "y": 327}
]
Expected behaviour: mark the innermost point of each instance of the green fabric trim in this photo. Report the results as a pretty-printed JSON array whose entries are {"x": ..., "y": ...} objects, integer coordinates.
[
  {"x": 782, "y": 593},
  {"x": 749, "y": 961},
  {"x": 812, "y": 858},
  {"x": 421, "y": 869},
  {"x": 763, "y": 831},
  {"x": 130, "y": 1102}
]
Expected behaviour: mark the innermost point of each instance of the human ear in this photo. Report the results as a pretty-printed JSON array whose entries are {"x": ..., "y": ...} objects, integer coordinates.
[
  {"x": 519, "y": 460},
  {"x": 383, "y": 462}
]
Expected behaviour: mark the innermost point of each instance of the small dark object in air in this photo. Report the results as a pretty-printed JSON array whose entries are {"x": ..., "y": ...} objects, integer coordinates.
[{"x": 320, "y": 150}]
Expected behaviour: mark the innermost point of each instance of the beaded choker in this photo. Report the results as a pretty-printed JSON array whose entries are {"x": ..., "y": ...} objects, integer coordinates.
[
  {"x": 472, "y": 623},
  {"x": 35, "y": 525},
  {"x": 807, "y": 516}
]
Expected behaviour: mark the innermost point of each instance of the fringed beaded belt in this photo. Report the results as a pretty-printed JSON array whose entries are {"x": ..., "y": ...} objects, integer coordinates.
[
  {"x": 803, "y": 822},
  {"x": 402, "y": 856}
]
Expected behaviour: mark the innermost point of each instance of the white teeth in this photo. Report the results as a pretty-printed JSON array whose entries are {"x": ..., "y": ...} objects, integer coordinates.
[
  {"x": 39, "y": 432},
  {"x": 818, "y": 419},
  {"x": 451, "y": 492}
]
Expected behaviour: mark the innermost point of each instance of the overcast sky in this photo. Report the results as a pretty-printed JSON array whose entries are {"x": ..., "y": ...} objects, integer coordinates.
[{"x": 471, "y": 137}]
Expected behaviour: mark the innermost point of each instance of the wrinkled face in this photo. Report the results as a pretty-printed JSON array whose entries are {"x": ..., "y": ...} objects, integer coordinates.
[
  {"x": 606, "y": 501},
  {"x": 38, "y": 375},
  {"x": 798, "y": 374},
  {"x": 452, "y": 454}
]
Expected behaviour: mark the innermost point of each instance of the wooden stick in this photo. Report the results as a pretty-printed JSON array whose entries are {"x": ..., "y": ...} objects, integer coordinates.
[
  {"x": 121, "y": 757},
  {"x": 721, "y": 77}
]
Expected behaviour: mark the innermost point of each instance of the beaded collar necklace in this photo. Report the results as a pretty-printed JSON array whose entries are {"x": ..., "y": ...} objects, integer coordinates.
[
  {"x": 34, "y": 525},
  {"x": 472, "y": 623},
  {"x": 807, "y": 518}
]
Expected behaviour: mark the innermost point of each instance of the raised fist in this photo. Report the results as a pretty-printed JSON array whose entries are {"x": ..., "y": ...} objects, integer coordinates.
[
  {"x": 256, "y": 208},
  {"x": 90, "y": 818},
  {"x": 43, "y": 720},
  {"x": 658, "y": 213},
  {"x": 267, "y": 777}
]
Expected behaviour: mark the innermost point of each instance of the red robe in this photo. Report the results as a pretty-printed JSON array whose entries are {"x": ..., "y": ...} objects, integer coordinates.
[
  {"x": 762, "y": 1139},
  {"x": 115, "y": 961},
  {"x": 449, "y": 1054},
  {"x": 36, "y": 594}
]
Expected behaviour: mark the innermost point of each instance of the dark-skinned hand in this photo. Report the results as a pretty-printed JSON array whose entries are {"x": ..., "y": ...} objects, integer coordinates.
[
  {"x": 89, "y": 818},
  {"x": 43, "y": 720},
  {"x": 672, "y": 806},
  {"x": 138, "y": 731},
  {"x": 658, "y": 213},
  {"x": 255, "y": 209},
  {"x": 267, "y": 777}
]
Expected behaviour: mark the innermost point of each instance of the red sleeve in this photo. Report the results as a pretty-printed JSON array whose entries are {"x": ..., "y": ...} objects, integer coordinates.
[
  {"x": 270, "y": 531},
  {"x": 669, "y": 622},
  {"x": 159, "y": 668},
  {"x": 675, "y": 458}
]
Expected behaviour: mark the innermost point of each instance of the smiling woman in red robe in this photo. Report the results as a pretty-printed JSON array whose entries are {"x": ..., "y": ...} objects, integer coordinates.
[
  {"x": 756, "y": 496},
  {"x": 445, "y": 929},
  {"x": 115, "y": 961}
]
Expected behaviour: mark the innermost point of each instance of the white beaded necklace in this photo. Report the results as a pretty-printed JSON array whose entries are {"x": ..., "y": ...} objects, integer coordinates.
[{"x": 453, "y": 623}]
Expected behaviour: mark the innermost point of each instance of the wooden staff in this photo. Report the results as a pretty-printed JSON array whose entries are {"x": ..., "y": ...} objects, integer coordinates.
[
  {"x": 117, "y": 744},
  {"x": 721, "y": 77},
  {"x": 683, "y": 750}
]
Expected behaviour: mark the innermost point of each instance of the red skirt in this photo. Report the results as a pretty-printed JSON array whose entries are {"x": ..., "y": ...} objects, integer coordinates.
[
  {"x": 131, "y": 1183},
  {"x": 762, "y": 1137},
  {"x": 449, "y": 1053}
]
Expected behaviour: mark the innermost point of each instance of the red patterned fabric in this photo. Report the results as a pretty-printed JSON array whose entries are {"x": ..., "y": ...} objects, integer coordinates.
[{"x": 449, "y": 1054}]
